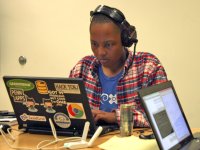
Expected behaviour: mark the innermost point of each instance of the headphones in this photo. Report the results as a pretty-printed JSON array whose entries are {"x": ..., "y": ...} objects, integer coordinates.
[
  {"x": 128, "y": 32},
  {"x": 5, "y": 127}
]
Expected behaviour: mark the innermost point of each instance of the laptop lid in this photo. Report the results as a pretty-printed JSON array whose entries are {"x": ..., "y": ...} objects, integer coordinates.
[
  {"x": 166, "y": 115},
  {"x": 36, "y": 99}
]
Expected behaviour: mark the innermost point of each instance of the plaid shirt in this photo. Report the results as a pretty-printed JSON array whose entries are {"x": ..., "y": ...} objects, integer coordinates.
[{"x": 146, "y": 70}]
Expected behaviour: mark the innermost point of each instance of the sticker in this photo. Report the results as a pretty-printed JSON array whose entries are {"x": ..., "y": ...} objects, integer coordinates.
[
  {"x": 67, "y": 88},
  {"x": 20, "y": 84},
  {"x": 30, "y": 103},
  {"x": 62, "y": 120},
  {"x": 57, "y": 97},
  {"x": 76, "y": 110},
  {"x": 48, "y": 105},
  {"x": 25, "y": 117},
  {"x": 18, "y": 95},
  {"x": 41, "y": 86}
]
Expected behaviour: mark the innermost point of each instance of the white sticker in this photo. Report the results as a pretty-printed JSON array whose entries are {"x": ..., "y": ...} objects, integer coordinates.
[
  {"x": 26, "y": 117},
  {"x": 62, "y": 120}
]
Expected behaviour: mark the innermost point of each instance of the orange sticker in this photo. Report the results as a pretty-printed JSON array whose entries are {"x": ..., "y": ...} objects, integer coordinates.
[{"x": 41, "y": 86}]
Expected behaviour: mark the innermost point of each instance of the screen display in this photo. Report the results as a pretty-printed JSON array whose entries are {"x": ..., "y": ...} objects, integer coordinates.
[{"x": 166, "y": 117}]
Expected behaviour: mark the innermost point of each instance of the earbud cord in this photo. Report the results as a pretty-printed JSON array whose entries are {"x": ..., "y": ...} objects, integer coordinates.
[{"x": 134, "y": 51}]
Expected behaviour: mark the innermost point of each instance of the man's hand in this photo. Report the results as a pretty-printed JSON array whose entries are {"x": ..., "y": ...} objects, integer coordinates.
[{"x": 108, "y": 117}]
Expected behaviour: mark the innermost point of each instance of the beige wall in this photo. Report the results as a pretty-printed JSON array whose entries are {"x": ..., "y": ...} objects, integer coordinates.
[{"x": 53, "y": 35}]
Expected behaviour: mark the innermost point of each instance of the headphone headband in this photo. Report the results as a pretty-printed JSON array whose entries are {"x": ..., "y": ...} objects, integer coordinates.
[{"x": 113, "y": 13}]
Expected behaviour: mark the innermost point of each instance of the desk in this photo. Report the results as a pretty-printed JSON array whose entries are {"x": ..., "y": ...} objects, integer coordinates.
[{"x": 31, "y": 140}]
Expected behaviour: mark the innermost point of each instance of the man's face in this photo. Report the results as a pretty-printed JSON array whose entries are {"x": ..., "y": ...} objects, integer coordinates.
[{"x": 106, "y": 43}]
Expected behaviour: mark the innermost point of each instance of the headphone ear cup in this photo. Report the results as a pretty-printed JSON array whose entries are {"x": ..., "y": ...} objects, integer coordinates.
[
  {"x": 125, "y": 38},
  {"x": 133, "y": 34},
  {"x": 129, "y": 36}
]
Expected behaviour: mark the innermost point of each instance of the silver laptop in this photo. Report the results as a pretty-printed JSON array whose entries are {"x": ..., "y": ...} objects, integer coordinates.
[
  {"x": 167, "y": 118},
  {"x": 64, "y": 100}
]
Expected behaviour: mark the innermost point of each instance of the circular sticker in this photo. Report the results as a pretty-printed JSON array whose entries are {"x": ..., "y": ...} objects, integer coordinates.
[
  {"x": 75, "y": 110},
  {"x": 62, "y": 120}
]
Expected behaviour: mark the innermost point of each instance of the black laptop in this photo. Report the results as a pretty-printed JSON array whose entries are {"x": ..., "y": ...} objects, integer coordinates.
[
  {"x": 64, "y": 100},
  {"x": 167, "y": 118}
]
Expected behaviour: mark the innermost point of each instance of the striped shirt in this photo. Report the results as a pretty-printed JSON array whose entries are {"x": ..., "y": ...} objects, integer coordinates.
[{"x": 146, "y": 70}]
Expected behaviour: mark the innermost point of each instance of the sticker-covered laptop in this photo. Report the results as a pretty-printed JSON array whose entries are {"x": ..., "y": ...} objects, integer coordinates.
[
  {"x": 167, "y": 118},
  {"x": 64, "y": 100}
]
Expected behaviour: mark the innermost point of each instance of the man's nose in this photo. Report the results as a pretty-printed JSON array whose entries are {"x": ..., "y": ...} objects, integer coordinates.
[{"x": 101, "y": 51}]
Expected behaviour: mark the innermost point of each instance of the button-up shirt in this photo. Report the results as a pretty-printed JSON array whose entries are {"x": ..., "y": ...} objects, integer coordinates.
[{"x": 142, "y": 71}]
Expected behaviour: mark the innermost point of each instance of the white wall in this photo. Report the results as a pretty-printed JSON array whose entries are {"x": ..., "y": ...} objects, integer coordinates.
[{"x": 53, "y": 35}]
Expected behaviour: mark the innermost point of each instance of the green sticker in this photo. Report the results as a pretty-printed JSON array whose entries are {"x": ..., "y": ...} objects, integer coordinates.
[{"x": 20, "y": 84}]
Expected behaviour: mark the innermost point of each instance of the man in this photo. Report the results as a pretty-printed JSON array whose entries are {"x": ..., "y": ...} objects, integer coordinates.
[{"x": 113, "y": 74}]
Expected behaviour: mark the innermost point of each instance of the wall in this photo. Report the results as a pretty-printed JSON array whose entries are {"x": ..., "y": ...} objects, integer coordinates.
[{"x": 53, "y": 35}]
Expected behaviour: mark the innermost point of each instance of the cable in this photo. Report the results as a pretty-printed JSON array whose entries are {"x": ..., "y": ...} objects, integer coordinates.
[
  {"x": 11, "y": 136},
  {"x": 50, "y": 142},
  {"x": 7, "y": 142},
  {"x": 134, "y": 51},
  {"x": 40, "y": 145}
]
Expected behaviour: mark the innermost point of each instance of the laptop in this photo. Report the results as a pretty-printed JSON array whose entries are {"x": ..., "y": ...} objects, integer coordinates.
[
  {"x": 64, "y": 100},
  {"x": 167, "y": 119}
]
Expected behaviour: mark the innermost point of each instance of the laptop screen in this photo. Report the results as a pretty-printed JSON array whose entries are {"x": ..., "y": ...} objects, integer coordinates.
[{"x": 166, "y": 117}]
